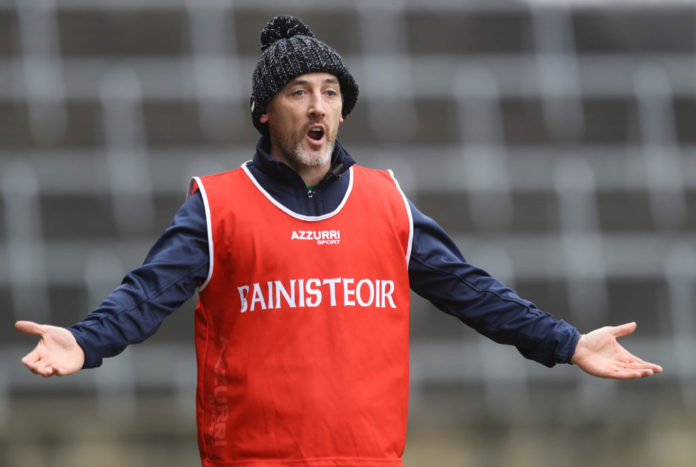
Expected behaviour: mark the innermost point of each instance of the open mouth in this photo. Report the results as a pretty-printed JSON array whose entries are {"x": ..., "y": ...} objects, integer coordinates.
[{"x": 316, "y": 133}]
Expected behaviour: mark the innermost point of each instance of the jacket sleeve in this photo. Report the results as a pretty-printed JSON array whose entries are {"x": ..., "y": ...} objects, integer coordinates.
[
  {"x": 439, "y": 273},
  {"x": 173, "y": 269}
]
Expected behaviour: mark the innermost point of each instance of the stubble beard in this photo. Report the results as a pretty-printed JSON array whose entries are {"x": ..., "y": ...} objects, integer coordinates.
[
  {"x": 300, "y": 157},
  {"x": 295, "y": 154}
]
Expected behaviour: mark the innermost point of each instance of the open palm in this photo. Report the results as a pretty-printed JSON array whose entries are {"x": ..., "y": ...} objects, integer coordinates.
[
  {"x": 57, "y": 353},
  {"x": 599, "y": 354}
]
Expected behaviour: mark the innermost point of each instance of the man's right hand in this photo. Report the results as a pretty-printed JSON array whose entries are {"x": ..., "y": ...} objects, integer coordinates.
[{"x": 57, "y": 353}]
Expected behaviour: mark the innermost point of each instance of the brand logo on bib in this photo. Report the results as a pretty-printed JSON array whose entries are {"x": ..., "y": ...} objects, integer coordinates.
[{"x": 322, "y": 237}]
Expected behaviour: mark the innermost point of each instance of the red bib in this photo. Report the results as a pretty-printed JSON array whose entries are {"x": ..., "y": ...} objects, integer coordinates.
[{"x": 302, "y": 327}]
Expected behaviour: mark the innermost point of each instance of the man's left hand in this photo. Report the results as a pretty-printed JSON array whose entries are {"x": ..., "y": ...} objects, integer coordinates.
[{"x": 599, "y": 354}]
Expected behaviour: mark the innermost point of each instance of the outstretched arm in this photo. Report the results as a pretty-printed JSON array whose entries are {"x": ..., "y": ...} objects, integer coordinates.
[
  {"x": 57, "y": 353},
  {"x": 439, "y": 273},
  {"x": 599, "y": 354}
]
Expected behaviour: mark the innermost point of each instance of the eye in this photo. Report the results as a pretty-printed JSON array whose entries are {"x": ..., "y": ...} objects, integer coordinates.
[
  {"x": 331, "y": 92},
  {"x": 298, "y": 92}
]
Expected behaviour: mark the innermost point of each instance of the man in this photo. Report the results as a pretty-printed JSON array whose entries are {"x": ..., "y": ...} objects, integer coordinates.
[{"x": 303, "y": 262}]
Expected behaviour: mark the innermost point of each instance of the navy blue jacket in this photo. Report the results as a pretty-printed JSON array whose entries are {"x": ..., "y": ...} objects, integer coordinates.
[{"x": 178, "y": 263}]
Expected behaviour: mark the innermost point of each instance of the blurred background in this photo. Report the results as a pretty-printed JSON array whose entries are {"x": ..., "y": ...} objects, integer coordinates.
[{"x": 555, "y": 142}]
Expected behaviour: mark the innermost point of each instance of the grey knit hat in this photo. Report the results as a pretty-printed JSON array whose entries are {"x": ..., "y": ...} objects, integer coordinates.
[{"x": 288, "y": 50}]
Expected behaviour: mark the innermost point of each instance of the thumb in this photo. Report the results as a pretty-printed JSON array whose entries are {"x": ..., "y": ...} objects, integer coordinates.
[
  {"x": 29, "y": 327},
  {"x": 624, "y": 329}
]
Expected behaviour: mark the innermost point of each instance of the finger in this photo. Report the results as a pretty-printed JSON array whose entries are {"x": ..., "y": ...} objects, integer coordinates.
[
  {"x": 42, "y": 368},
  {"x": 37, "y": 368},
  {"x": 624, "y": 329},
  {"x": 33, "y": 362},
  {"x": 643, "y": 373},
  {"x": 637, "y": 362},
  {"x": 638, "y": 368},
  {"x": 29, "y": 327},
  {"x": 31, "y": 359},
  {"x": 645, "y": 366},
  {"x": 629, "y": 358},
  {"x": 634, "y": 375},
  {"x": 626, "y": 373}
]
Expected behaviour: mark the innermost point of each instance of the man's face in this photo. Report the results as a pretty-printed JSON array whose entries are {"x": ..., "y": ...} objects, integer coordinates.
[{"x": 303, "y": 120}]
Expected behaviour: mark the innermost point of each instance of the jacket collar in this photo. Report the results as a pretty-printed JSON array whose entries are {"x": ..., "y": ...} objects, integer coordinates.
[{"x": 341, "y": 161}]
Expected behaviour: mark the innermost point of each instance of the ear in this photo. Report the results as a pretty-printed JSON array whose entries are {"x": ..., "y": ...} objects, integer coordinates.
[{"x": 263, "y": 119}]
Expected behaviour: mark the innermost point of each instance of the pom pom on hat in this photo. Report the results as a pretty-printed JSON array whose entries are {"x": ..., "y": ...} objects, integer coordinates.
[
  {"x": 283, "y": 27},
  {"x": 289, "y": 49}
]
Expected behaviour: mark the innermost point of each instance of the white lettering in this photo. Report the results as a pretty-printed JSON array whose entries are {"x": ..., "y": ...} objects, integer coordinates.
[
  {"x": 257, "y": 297},
  {"x": 302, "y": 293},
  {"x": 270, "y": 295},
  {"x": 301, "y": 289},
  {"x": 243, "y": 291},
  {"x": 348, "y": 292},
  {"x": 280, "y": 290},
  {"x": 387, "y": 291},
  {"x": 332, "y": 288},
  {"x": 313, "y": 291},
  {"x": 322, "y": 237},
  {"x": 358, "y": 294}
]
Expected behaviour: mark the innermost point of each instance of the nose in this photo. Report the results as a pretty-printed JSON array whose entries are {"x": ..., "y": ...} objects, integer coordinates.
[{"x": 316, "y": 105}]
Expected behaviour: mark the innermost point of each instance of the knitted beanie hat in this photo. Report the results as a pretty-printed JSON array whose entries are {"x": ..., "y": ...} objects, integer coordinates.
[{"x": 288, "y": 50}]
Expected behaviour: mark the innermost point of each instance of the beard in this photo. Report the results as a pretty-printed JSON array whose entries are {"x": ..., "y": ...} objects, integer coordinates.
[
  {"x": 300, "y": 157},
  {"x": 291, "y": 149}
]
